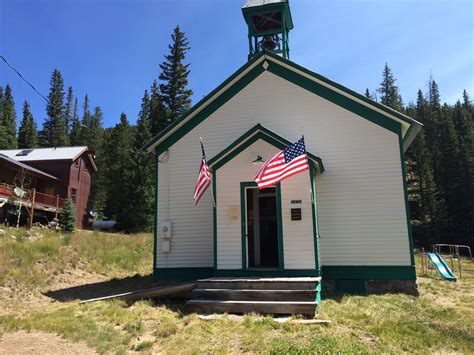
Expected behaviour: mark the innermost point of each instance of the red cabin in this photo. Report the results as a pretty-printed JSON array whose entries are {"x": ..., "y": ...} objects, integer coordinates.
[{"x": 53, "y": 175}]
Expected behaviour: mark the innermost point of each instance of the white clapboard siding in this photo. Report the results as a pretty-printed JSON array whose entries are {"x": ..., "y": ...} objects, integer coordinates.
[
  {"x": 298, "y": 239},
  {"x": 361, "y": 208}
]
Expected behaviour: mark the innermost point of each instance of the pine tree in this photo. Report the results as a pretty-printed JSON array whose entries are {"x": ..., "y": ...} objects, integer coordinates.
[
  {"x": 157, "y": 114},
  {"x": 54, "y": 133},
  {"x": 27, "y": 134},
  {"x": 389, "y": 91},
  {"x": 85, "y": 123},
  {"x": 120, "y": 172},
  {"x": 2, "y": 127},
  {"x": 8, "y": 120},
  {"x": 421, "y": 185},
  {"x": 95, "y": 129},
  {"x": 176, "y": 97},
  {"x": 67, "y": 219},
  {"x": 75, "y": 135},
  {"x": 141, "y": 184},
  {"x": 69, "y": 110}
]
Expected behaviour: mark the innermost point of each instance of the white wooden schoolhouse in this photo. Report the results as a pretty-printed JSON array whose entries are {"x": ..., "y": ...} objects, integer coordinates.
[{"x": 345, "y": 220}]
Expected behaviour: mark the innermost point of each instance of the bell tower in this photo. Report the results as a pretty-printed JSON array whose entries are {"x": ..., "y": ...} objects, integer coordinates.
[{"x": 269, "y": 23}]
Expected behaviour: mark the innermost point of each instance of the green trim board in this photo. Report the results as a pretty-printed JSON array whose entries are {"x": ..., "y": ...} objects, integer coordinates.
[
  {"x": 314, "y": 215},
  {"x": 353, "y": 272},
  {"x": 248, "y": 138},
  {"x": 222, "y": 99},
  {"x": 337, "y": 99},
  {"x": 276, "y": 58},
  {"x": 276, "y": 66},
  {"x": 281, "y": 253},
  {"x": 407, "y": 204},
  {"x": 182, "y": 273},
  {"x": 243, "y": 222}
]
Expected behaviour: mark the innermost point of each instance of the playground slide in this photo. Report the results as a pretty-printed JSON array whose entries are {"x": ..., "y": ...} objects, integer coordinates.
[{"x": 441, "y": 267}]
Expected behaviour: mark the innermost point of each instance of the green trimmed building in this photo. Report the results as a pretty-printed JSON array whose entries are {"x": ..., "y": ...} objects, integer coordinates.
[{"x": 345, "y": 220}]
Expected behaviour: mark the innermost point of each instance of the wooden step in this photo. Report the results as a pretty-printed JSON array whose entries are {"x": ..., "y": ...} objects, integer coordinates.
[
  {"x": 254, "y": 295},
  {"x": 267, "y": 283},
  {"x": 267, "y": 307}
]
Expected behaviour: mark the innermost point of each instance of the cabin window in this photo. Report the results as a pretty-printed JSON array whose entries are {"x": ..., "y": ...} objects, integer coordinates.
[{"x": 73, "y": 195}]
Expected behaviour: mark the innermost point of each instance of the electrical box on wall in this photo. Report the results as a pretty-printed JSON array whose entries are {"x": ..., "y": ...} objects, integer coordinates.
[
  {"x": 165, "y": 230},
  {"x": 165, "y": 246}
]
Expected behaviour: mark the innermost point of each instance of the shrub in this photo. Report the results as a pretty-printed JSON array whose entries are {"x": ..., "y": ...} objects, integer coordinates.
[{"x": 67, "y": 219}]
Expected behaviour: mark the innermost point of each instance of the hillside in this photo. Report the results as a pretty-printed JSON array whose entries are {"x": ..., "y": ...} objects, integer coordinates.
[{"x": 42, "y": 277}]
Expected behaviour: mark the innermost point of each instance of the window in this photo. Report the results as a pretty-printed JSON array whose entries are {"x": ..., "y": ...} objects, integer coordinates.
[
  {"x": 24, "y": 152},
  {"x": 73, "y": 195}
]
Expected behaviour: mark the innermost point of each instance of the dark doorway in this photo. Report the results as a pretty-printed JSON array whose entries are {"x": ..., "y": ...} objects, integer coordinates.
[{"x": 262, "y": 228}]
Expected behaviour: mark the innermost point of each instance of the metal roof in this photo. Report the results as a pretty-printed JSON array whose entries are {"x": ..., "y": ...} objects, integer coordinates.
[
  {"x": 41, "y": 154},
  {"x": 252, "y": 3},
  {"x": 27, "y": 167}
]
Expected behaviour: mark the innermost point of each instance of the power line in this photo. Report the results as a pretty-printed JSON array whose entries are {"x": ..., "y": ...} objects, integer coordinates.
[{"x": 21, "y": 76}]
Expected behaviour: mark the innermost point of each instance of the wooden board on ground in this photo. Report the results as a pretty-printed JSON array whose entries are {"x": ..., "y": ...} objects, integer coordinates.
[{"x": 154, "y": 292}]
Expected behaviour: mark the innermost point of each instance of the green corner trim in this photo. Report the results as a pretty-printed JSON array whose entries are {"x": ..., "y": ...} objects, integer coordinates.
[
  {"x": 276, "y": 67},
  {"x": 358, "y": 272},
  {"x": 314, "y": 216},
  {"x": 243, "y": 214},
  {"x": 405, "y": 193},
  {"x": 155, "y": 213},
  {"x": 281, "y": 255},
  {"x": 183, "y": 273},
  {"x": 247, "y": 139}
]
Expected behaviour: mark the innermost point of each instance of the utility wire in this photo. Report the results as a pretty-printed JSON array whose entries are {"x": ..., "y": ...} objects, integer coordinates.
[{"x": 21, "y": 76}]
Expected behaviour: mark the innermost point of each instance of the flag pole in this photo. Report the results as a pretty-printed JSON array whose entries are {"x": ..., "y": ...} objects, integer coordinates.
[{"x": 212, "y": 182}]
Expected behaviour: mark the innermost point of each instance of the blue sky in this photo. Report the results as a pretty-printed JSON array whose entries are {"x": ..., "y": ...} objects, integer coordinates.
[{"x": 111, "y": 49}]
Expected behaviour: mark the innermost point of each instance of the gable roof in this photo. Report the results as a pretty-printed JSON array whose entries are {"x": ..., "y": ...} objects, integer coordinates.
[
  {"x": 20, "y": 165},
  {"x": 48, "y": 154},
  {"x": 267, "y": 61},
  {"x": 257, "y": 132}
]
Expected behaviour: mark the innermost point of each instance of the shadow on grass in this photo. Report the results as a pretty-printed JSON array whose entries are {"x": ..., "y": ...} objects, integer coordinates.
[{"x": 105, "y": 288}]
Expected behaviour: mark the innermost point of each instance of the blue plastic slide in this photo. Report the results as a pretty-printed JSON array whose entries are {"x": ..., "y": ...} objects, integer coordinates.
[{"x": 441, "y": 267}]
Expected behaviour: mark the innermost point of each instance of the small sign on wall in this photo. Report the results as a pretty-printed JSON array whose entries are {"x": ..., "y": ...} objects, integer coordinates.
[{"x": 296, "y": 214}]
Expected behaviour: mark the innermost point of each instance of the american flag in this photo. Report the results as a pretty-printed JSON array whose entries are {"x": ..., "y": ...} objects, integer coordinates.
[
  {"x": 204, "y": 178},
  {"x": 282, "y": 165}
]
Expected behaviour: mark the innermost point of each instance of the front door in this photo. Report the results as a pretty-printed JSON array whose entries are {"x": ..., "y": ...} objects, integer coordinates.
[{"x": 261, "y": 228}]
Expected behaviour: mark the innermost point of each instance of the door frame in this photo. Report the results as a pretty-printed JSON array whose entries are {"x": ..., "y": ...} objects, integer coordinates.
[{"x": 243, "y": 215}]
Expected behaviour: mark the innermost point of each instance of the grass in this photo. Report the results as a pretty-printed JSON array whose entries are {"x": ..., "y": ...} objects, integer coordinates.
[
  {"x": 441, "y": 319},
  {"x": 31, "y": 264}
]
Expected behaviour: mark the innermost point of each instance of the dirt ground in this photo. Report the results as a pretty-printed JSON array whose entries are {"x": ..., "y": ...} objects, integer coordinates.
[{"x": 36, "y": 342}]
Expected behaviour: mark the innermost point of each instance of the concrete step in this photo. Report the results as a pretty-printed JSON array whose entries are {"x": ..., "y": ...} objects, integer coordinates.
[
  {"x": 254, "y": 295},
  {"x": 256, "y": 283},
  {"x": 265, "y": 307}
]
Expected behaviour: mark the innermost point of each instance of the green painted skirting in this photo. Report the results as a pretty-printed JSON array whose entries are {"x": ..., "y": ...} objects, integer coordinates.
[
  {"x": 328, "y": 273},
  {"x": 183, "y": 273},
  {"x": 368, "y": 273}
]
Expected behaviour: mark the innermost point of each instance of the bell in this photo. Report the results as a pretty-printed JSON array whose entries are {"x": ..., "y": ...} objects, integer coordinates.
[{"x": 268, "y": 43}]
